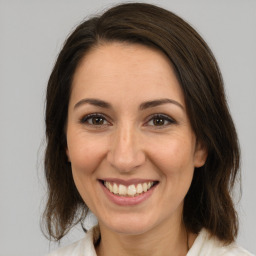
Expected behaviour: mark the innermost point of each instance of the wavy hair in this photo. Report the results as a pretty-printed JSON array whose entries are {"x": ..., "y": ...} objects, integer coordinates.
[{"x": 208, "y": 203}]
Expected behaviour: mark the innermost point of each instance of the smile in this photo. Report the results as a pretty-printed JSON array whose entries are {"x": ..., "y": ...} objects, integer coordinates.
[{"x": 132, "y": 190}]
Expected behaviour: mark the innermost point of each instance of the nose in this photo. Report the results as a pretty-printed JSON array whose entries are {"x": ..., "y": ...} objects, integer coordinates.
[{"x": 126, "y": 152}]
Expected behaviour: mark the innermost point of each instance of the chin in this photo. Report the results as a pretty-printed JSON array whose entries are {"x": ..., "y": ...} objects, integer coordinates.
[{"x": 131, "y": 225}]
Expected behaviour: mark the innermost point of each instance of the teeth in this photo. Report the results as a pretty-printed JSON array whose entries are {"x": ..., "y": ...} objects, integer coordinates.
[
  {"x": 145, "y": 187},
  {"x": 131, "y": 190},
  {"x": 122, "y": 190},
  {"x": 110, "y": 187},
  {"x": 139, "y": 189},
  {"x": 115, "y": 188}
]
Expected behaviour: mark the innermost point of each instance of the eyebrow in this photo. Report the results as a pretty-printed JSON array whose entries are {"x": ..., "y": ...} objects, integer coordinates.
[
  {"x": 143, "y": 106},
  {"x": 158, "y": 102},
  {"x": 94, "y": 102}
]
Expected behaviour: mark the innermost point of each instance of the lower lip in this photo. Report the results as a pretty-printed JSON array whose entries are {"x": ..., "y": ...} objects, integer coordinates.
[{"x": 125, "y": 200}]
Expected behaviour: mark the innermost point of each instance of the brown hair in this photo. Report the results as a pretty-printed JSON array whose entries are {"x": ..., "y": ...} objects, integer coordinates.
[{"x": 208, "y": 203}]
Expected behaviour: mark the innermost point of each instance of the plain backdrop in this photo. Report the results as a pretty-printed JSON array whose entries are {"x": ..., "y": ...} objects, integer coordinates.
[{"x": 31, "y": 35}]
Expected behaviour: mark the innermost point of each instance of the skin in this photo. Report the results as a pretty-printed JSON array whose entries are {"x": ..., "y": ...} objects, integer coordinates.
[{"x": 127, "y": 144}]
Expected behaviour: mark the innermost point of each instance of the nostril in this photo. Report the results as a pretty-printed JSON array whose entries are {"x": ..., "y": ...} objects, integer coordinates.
[{"x": 126, "y": 159}]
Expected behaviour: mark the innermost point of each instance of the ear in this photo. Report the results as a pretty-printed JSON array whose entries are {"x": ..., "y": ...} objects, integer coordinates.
[
  {"x": 201, "y": 154},
  {"x": 67, "y": 153}
]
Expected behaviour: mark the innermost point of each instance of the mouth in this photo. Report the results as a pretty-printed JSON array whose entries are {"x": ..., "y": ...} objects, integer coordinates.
[{"x": 131, "y": 190}]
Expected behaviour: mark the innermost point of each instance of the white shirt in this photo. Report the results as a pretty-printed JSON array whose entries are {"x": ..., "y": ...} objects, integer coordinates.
[{"x": 204, "y": 245}]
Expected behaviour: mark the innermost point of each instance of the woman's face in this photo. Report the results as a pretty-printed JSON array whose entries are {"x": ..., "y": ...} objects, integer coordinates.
[{"x": 129, "y": 139}]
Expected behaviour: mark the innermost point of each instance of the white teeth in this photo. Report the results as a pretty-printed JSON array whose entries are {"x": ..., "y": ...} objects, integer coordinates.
[
  {"x": 145, "y": 187},
  {"x": 115, "y": 188},
  {"x": 150, "y": 184},
  {"x": 110, "y": 187},
  {"x": 131, "y": 190},
  {"x": 139, "y": 189},
  {"x": 122, "y": 190}
]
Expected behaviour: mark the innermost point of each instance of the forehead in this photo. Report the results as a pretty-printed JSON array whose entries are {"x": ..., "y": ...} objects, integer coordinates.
[{"x": 126, "y": 70}]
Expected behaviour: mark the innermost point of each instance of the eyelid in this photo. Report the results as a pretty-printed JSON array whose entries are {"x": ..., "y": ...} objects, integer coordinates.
[
  {"x": 88, "y": 116},
  {"x": 85, "y": 118},
  {"x": 162, "y": 116}
]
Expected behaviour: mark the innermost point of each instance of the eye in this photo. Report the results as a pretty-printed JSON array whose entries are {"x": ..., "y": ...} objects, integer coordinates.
[
  {"x": 95, "y": 120},
  {"x": 160, "y": 120}
]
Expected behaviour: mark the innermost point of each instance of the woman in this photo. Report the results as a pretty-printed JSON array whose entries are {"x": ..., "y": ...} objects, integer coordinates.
[{"x": 139, "y": 132}]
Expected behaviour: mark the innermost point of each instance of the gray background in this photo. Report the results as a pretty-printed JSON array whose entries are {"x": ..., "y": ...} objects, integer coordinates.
[{"x": 31, "y": 34}]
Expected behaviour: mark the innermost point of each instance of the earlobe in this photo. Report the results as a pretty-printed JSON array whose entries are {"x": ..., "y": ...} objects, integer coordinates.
[
  {"x": 201, "y": 154},
  {"x": 67, "y": 153}
]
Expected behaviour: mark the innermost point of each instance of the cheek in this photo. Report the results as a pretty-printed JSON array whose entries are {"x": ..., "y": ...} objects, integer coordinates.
[
  {"x": 175, "y": 164},
  {"x": 85, "y": 153},
  {"x": 173, "y": 156}
]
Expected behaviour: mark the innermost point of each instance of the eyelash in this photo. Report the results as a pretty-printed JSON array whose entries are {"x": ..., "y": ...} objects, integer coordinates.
[
  {"x": 164, "y": 118},
  {"x": 86, "y": 118}
]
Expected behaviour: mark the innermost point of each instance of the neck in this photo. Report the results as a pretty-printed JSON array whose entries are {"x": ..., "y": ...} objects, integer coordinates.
[{"x": 163, "y": 240}]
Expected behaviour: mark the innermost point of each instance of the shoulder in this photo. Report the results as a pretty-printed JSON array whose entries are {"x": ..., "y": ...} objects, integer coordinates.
[
  {"x": 205, "y": 245},
  {"x": 83, "y": 247}
]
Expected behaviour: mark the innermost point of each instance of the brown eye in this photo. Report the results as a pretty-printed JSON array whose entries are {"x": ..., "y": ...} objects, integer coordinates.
[
  {"x": 94, "y": 119},
  {"x": 158, "y": 121},
  {"x": 97, "y": 120}
]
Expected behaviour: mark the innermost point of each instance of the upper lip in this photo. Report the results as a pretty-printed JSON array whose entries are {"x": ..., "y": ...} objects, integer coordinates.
[{"x": 127, "y": 182}]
